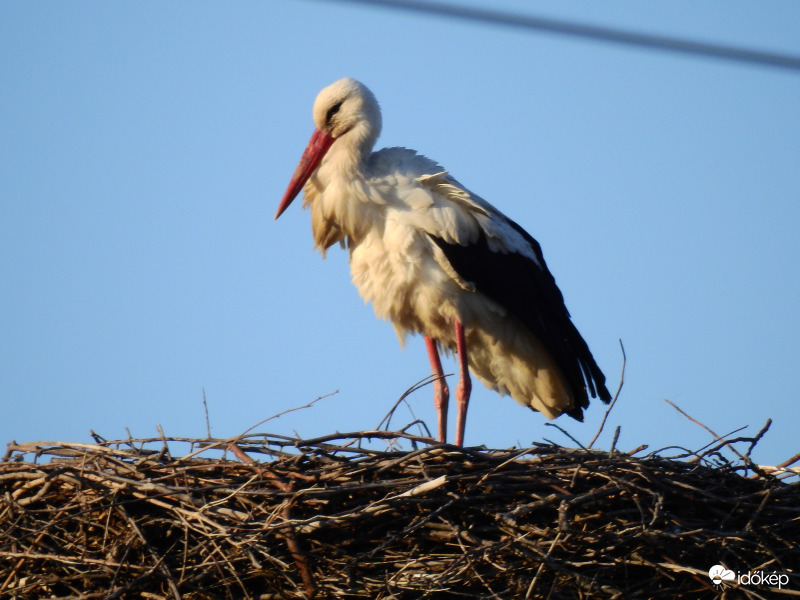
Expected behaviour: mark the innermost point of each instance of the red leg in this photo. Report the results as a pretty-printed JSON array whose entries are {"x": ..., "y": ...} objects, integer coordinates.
[
  {"x": 441, "y": 393},
  {"x": 464, "y": 384}
]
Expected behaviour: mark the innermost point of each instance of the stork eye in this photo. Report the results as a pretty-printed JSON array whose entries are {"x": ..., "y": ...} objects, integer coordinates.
[{"x": 332, "y": 111}]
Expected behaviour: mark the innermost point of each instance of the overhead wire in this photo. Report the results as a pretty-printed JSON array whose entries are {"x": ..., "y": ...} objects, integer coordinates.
[{"x": 593, "y": 32}]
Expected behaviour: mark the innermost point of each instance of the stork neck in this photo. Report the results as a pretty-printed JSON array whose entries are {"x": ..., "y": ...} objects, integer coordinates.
[
  {"x": 343, "y": 161},
  {"x": 340, "y": 198},
  {"x": 350, "y": 151}
]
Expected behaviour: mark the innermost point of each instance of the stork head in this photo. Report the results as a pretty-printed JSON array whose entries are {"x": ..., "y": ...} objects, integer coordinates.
[{"x": 345, "y": 112}]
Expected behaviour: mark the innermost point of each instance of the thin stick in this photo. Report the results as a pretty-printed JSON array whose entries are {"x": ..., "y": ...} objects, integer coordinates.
[
  {"x": 280, "y": 414},
  {"x": 532, "y": 585},
  {"x": 420, "y": 384},
  {"x": 744, "y": 458},
  {"x": 205, "y": 410},
  {"x": 614, "y": 401},
  {"x": 566, "y": 433},
  {"x": 791, "y": 461},
  {"x": 158, "y": 561}
]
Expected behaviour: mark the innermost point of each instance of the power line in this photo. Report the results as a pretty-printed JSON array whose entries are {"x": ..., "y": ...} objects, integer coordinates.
[{"x": 604, "y": 34}]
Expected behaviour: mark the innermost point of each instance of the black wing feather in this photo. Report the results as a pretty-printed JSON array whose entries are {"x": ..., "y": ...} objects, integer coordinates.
[{"x": 530, "y": 293}]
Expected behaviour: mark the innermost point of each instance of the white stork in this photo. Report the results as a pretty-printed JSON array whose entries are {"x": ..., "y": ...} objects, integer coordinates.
[{"x": 436, "y": 259}]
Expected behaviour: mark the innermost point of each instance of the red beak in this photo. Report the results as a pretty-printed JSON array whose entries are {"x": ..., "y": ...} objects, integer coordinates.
[{"x": 320, "y": 143}]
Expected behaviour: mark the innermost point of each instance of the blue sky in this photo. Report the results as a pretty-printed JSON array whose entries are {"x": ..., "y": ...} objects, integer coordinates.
[{"x": 146, "y": 146}]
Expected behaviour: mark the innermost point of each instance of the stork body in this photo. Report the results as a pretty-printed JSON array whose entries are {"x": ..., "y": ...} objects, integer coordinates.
[{"x": 436, "y": 259}]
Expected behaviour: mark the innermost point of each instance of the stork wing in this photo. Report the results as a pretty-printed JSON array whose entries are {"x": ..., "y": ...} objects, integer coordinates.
[{"x": 498, "y": 258}]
